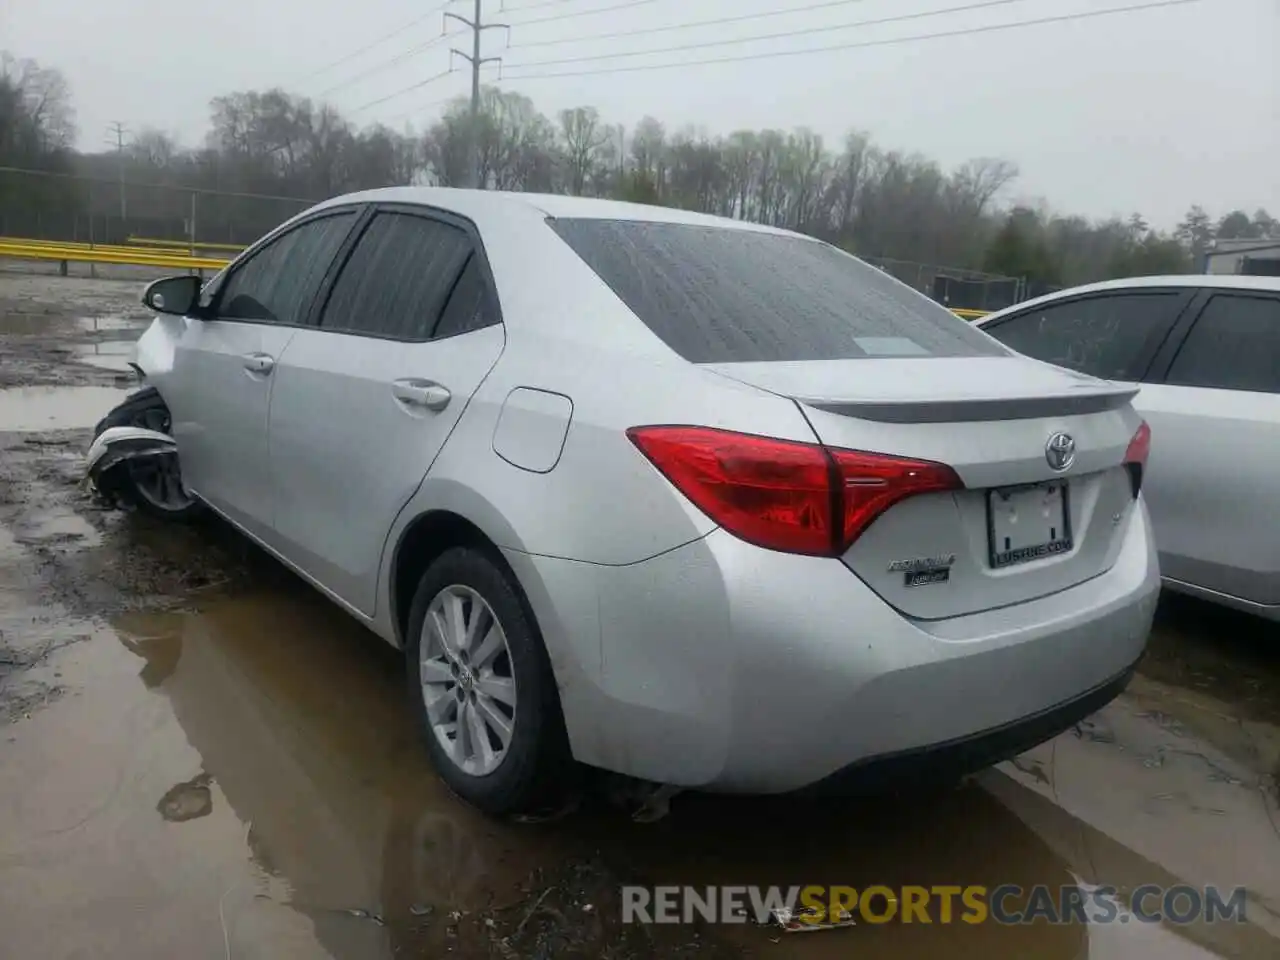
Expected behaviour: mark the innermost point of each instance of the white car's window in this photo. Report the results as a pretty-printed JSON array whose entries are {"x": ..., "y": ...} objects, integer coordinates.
[
  {"x": 277, "y": 283},
  {"x": 1234, "y": 345},
  {"x": 1110, "y": 335},
  {"x": 398, "y": 277},
  {"x": 471, "y": 305},
  {"x": 720, "y": 295}
]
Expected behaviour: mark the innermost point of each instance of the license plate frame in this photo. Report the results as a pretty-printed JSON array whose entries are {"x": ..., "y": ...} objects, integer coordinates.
[{"x": 1058, "y": 538}]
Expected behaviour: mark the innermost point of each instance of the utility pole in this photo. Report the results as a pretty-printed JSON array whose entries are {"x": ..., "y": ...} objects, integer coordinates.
[
  {"x": 474, "y": 58},
  {"x": 120, "y": 130}
]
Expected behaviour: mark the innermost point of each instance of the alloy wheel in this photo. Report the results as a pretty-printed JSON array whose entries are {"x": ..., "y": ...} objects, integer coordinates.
[
  {"x": 159, "y": 479},
  {"x": 468, "y": 683}
]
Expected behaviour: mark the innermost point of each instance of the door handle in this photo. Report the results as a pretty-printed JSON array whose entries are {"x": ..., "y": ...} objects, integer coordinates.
[
  {"x": 421, "y": 393},
  {"x": 258, "y": 362}
]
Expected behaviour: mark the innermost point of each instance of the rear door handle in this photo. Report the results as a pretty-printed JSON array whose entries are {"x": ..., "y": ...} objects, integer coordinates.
[
  {"x": 259, "y": 362},
  {"x": 421, "y": 393}
]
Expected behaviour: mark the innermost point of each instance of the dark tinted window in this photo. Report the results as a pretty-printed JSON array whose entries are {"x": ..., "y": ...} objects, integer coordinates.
[
  {"x": 277, "y": 283},
  {"x": 1109, "y": 336},
  {"x": 397, "y": 278},
  {"x": 1235, "y": 345},
  {"x": 718, "y": 295},
  {"x": 470, "y": 306}
]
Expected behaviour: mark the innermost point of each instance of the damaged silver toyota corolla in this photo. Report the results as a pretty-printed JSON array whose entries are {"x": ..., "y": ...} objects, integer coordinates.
[{"x": 704, "y": 503}]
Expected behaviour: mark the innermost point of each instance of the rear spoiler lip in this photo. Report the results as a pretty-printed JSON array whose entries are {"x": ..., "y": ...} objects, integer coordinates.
[{"x": 977, "y": 408}]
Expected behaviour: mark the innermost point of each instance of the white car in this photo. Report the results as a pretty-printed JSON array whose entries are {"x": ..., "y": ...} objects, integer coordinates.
[{"x": 1205, "y": 351}]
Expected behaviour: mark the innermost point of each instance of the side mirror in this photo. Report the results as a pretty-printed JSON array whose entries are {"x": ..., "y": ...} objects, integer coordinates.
[{"x": 176, "y": 295}]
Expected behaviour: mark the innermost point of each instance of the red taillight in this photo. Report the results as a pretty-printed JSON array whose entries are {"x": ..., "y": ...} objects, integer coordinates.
[
  {"x": 782, "y": 494},
  {"x": 873, "y": 483},
  {"x": 1135, "y": 457}
]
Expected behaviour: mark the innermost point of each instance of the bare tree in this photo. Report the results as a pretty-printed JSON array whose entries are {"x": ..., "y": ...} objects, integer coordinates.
[
  {"x": 42, "y": 103},
  {"x": 583, "y": 135},
  {"x": 879, "y": 203}
]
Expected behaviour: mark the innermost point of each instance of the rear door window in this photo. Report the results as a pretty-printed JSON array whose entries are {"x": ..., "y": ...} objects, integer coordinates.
[
  {"x": 722, "y": 295},
  {"x": 1112, "y": 336},
  {"x": 471, "y": 305},
  {"x": 1234, "y": 345},
  {"x": 398, "y": 277}
]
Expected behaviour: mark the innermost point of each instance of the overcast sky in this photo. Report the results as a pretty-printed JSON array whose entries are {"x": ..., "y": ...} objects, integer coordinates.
[{"x": 1150, "y": 110}]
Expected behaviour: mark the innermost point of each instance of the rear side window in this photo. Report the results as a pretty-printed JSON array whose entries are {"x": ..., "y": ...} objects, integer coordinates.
[
  {"x": 1111, "y": 336},
  {"x": 721, "y": 295},
  {"x": 470, "y": 306},
  {"x": 277, "y": 283},
  {"x": 1235, "y": 345},
  {"x": 398, "y": 278}
]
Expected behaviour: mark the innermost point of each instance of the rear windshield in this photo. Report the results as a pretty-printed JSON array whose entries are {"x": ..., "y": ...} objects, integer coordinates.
[{"x": 719, "y": 295}]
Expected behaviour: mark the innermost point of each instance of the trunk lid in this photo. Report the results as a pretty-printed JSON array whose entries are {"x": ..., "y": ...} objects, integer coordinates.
[{"x": 1020, "y": 529}]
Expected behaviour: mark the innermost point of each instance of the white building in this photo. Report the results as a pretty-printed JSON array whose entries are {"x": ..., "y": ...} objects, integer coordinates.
[{"x": 1258, "y": 258}]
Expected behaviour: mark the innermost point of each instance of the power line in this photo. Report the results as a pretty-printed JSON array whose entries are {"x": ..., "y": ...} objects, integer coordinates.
[
  {"x": 805, "y": 31},
  {"x": 409, "y": 89},
  {"x": 378, "y": 68},
  {"x": 580, "y": 13},
  {"x": 533, "y": 6},
  {"x": 379, "y": 42},
  {"x": 718, "y": 21},
  {"x": 990, "y": 28},
  {"x": 419, "y": 109}
]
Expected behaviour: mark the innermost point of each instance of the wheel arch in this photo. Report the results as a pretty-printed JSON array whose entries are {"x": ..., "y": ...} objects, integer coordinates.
[{"x": 425, "y": 538}]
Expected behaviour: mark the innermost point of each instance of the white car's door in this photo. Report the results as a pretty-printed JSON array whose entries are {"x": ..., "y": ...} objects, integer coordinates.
[
  {"x": 1214, "y": 470},
  {"x": 223, "y": 368},
  {"x": 364, "y": 401}
]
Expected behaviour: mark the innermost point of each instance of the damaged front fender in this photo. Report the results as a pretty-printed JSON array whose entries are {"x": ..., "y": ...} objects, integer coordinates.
[{"x": 120, "y": 445}]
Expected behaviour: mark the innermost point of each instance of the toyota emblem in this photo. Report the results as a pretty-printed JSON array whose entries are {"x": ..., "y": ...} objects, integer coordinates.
[{"x": 1060, "y": 451}]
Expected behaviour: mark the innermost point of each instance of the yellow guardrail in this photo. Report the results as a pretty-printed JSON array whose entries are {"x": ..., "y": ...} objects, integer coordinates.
[
  {"x": 186, "y": 244},
  {"x": 36, "y": 250},
  {"x": 969, "y": 314},
  {"x": 105, "y": 247}
]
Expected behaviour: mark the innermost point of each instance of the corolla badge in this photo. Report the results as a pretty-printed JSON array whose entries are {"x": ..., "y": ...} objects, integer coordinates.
[{"x": 1060, "y": 451}]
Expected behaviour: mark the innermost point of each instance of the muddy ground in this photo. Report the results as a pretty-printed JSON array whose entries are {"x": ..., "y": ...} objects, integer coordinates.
[{"x": 200, "y": 757}]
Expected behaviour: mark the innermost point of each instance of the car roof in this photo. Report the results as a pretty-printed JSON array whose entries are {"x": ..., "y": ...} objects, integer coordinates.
[
  {"x": 482, "y": 205},
  {"x": 1199, "y": 281}
]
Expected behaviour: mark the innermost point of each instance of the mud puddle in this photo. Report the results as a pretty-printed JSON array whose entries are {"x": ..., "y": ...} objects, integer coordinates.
[
  {"x": 107, "y": 354},
  {"x": 54, "y": 407},
  {"x": 54, "y": 323},
  {"x": 246, "y": 769},
  {"x": 245, "y": 778},
  {"x": 48, "y": 323}
]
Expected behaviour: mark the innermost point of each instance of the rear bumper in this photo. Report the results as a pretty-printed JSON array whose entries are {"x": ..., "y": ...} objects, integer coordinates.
[
  {"x": 723, "y": 666},
  {"x": 940, "y": 763}
]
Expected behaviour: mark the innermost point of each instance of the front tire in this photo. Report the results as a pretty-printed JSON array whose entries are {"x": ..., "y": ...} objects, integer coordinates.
[
  {"x": 481, "y": 686},
  {"x": 153, "y": 486}
]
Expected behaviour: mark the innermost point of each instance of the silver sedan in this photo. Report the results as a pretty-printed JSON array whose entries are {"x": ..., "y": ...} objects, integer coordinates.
[{"x": 700, "y": 502}]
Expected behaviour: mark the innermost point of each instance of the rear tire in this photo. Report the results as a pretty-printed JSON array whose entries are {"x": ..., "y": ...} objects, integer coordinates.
[
  {"x": 497, "y": 678},
  {"x": 154, "y": 486}
]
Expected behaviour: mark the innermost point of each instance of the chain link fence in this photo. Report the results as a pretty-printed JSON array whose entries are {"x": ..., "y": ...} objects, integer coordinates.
[
  {"x": 956, "y": 287},
  {"x": 38, "y": 205}
]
